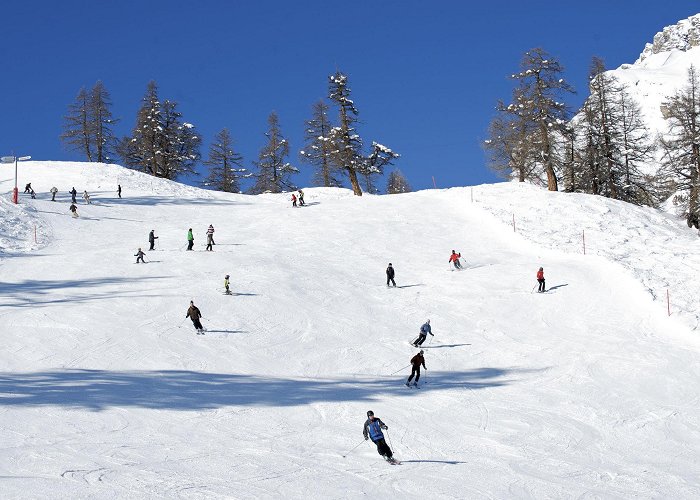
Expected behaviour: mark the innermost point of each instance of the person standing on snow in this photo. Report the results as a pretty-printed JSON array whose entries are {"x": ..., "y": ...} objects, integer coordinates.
[
  {"x": 119, "y": 190},
  {"x": 301, "y": 198},
  {"x": 152, "y": 239},
  {"x": 139, "y": 256},
  {"x": 86, "y": 197},
  {"x": 416, "y": 361},
  {"x": 390, "y": 275},
  {"x": 74, "y": 209},
  {"x": 373, "y": 430},
  {"x": 73, "y": 194},
  {"x": 294, "y": 200},
  {"x": 28, "y": 188},
  {"x": 32, "y": 193},
  {"x": 424, "y": 331},
  {"x": 210, "y": 238},
  {"x": 226, "y": 283},
  {"x": 454, "y": 258},
  {"x": 194, "y": 314},
  {"x": 53, "y": 192},
  {"x": 190, "y": 239},
  {"x": 540, "y": 280}
]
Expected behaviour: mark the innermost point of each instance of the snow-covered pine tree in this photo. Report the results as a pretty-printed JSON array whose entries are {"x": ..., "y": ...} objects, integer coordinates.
[
  {"x": 140, "y": 151},
  {"x": 179, "y": 143},
  {"x": 681, "y": 146},
  {"x": 540, "y": 89},
  {"x": 347, "y": 144},
  {"x": 225, "y": 165},
  {"x": 87, "y": 127},
  {"x": 374, "y": 164},
  {"x": 161, "y": 143},
  {"x": 397, "y": 183},
  {"x": 273, "y": 170},
  {"x": 319, "y": 147}
]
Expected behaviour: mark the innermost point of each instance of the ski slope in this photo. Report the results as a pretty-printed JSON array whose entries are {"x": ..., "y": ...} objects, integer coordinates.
[{"x": 587, "y": 391}]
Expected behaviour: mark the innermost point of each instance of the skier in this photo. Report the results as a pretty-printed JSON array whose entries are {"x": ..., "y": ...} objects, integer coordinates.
[
  {"x": 210, "y": 237},
  {"x": 139, "y": 256},
  {"x": 540, "y": 280},
  {"x": 28, "y": 188},
  {"x": 73, "y": 194},
  {"x": 301, "y": 198},
  {"x": 416, "y": 361},
  {"x": 32, "y": 193},
  {"x": 53, "y": 192},
  {"x": 424, "y": 331},
  {"x": 86, "y": 197},
  {"x": 74, "y": 209},
  {"x": 119, "y": 190},
  {"x": 454, "y": 258},
  {"x": 294, "y": 200},
  {"x": 390, "y": 275},
  {"x": 373, "y": 429},
  {"x": 190, "y": 239},
  {"x": 226, "y": 283},
  {"x": 152, "y": 239},
  {"x": 194, "y": 314}
]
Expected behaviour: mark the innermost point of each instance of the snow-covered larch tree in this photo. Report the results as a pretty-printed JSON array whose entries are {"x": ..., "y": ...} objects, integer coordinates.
[
  {"x": 274, "y": 171},
  {"x": 225, "y": 165},
  {"x": 318, "y": 151}
]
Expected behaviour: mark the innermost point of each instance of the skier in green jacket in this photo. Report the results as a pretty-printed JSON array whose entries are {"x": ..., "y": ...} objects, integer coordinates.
[{"x": 190, "y": 239}]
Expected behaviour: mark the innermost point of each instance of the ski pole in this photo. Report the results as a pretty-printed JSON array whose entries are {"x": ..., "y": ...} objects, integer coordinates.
[
  {"x": 397, "y": 371},
  {"x": 533, "y": 288},
  {"x": 353, "y": 448},
  {"x": 389, "y": 439}
]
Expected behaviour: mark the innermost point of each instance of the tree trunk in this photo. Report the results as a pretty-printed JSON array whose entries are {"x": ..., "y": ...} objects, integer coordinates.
[{"x": 356, "y": 189}]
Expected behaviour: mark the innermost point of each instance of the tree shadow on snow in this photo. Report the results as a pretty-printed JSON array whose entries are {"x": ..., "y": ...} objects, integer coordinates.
[
  {"x": 29, "y": 293},
  {"x": 191, "y": 390}
]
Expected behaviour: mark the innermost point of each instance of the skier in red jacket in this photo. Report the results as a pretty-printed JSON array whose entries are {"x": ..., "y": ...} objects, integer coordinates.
[
  {"x": 540, "y": 280},
  {"x": 454, "y": 258}
]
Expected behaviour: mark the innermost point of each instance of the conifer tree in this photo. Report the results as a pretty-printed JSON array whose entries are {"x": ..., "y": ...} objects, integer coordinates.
[
  {"x": 374, "y": 164},
  {"x": 397, "y": 183},
  {"x": 319, "y": 147},
  {"x": 273, "y": 170},
  {"x": 225, "y": 165},
  {"x": 347, "y": 144},
  {"x": 540, "y": 88},
  {"x": 161, "y": 143},
  {"x": 681, "y": 147},
  {"x": 88, "y": 125}
]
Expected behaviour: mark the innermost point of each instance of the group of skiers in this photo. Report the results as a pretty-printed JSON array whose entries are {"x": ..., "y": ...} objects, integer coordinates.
[
  {"x": 210, "y": 239},
  {"x": 300, "y": 198}
]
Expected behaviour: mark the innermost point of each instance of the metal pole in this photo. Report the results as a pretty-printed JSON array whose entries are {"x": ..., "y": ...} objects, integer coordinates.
[{"x": 15, "y": 193}]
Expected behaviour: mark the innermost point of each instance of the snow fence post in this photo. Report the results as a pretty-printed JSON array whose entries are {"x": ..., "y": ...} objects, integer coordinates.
[
  {"x": 34, "y": 233},
  {"x": 472, "y": 193},
  {"x": 668, "y": 302},
  {"x": 513, "y": 222},
  {"x": 584, "y": 242}
]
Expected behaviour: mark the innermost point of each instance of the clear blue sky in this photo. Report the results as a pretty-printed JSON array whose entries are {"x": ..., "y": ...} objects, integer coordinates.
[{"x": 425, "y": 75}]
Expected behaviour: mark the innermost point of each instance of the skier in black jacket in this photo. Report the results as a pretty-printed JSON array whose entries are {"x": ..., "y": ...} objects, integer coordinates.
[
  {"x": 152, "y": 238},
  {"x": 390, "y": 275}
]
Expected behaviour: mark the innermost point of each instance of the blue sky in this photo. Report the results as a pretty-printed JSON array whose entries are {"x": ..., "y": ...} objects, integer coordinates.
[{"x": 425, "y": 75}]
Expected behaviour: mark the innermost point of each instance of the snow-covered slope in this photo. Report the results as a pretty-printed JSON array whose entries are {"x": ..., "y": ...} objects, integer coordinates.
[{"x": 589, "y": 390}]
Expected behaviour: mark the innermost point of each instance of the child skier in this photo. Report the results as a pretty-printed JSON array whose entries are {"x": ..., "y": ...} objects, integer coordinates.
[
  {"x": 416, "y": 361},
  {"x": 194, "y": 314},
  {"x": 226, "y": 283},
  {"x": 540, "y": 280},
  {"x": 139, "y": 256},
  {"x": 390, "y": 275},
  {"x": 454, "y": 259},
  {"x": 373, "y": 429},
  {"x": 53, "y": 192},
  {"x": 294, "y": 200},
  {"x": 424, "y": 331},
  {"x": 86, "y": 197}
]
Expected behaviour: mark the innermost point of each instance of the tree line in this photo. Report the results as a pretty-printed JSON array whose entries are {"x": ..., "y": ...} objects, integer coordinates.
[
  {"x": 604, "y": 148},
  {"x": 163, "y": 144}
]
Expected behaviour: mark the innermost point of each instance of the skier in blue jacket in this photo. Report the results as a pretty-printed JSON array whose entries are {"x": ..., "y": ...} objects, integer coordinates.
[{"x": 373, "y": 430}]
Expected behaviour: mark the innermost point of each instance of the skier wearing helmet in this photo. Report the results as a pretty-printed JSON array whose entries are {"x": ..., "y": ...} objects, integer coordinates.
[
  {"x": 373, "y": 430},
  {"x": 424, "y": 331},
  {"x": 226, "y": 283},
  {"x": 416, "y": 361}
]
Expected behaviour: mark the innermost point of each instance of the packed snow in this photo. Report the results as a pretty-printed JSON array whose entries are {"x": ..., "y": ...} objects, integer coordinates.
[{"x": 587, "y": 391}]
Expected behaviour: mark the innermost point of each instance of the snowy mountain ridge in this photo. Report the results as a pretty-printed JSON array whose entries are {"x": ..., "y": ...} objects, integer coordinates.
[
  {"x": 586, "y": 391},
  {"x": 683, "y": 35}
]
